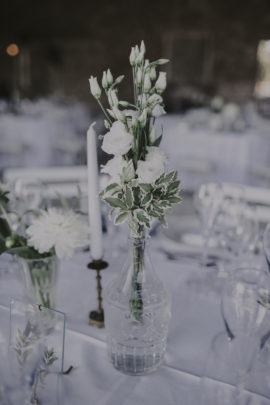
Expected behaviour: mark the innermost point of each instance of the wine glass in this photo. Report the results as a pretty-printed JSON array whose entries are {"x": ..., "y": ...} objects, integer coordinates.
[
  {"x": 235, "y": 226},
  {"x": 207, "y": 201},
  {"x": 243, "y": 317}
]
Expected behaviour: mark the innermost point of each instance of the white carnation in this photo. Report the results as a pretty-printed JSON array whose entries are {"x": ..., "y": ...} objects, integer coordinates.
[
  {"x": 148, "y": 171},
  {"x": 57, "y": 229},
  {"x": 118, "y": 140}
]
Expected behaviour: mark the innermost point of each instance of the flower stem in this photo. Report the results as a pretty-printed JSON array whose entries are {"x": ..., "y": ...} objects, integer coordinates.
[
  {"x": 104, "y": 111},
  {"x": 4, "y": 212}
]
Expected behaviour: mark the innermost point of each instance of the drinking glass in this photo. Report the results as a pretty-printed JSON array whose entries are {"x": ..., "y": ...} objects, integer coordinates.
[
  {"x": 207, "y": 201},
  {"x": 243, "y": 318},
  {"x": 235, "y": 227}
]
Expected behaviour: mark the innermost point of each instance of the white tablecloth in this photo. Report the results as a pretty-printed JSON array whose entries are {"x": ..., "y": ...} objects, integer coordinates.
[{"x": 195, "y": 321}]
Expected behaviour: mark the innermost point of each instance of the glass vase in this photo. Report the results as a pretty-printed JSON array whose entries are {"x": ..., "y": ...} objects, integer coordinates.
[
  {"x": 39, "y": 278},
  {"x": 137, "y": 313}
]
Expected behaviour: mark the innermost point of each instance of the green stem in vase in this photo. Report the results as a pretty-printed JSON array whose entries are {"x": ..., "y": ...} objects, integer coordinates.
[{"x": 136, "y": 300}]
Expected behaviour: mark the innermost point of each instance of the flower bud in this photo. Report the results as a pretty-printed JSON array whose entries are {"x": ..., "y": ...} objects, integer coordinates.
[
  {"x": 152, "y": 135},
  {"x": 134, "y": 121},
  {"x": 104, "y": 81},
  {"x": 94, "y": 87},
  {"x": 139, "y": 76},
  {"x": 9, "y": 242},
  {"x": 147, "y": 83},
  {"x": 161, "y": 82},
  {"x": 124, "y": 103},
  {"x": 153, "y": 73},
  {"x": 142, "y": 99},
  {"x": 109, "y": 77},
  {"x": 132, "y": 57},
  {"x": 142, "y": 118},
  {"x": 136, "y": 50},
  {"x": 142, "y": 48},
  {"x": 118, "y": 79},
  {"x": 146, "y": 64},
  {"x": 107, "y": 124},
  {"x": 112, "y": 97},
  {"x": 118, "y": 114},
  {"x": 162, "y": 61},
  {"x": 155, "y": 99},
  {"x": 139, "y": 58}
]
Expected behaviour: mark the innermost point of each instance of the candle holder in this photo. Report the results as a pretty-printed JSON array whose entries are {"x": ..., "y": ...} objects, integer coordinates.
[{"x": 96, "y": 317}]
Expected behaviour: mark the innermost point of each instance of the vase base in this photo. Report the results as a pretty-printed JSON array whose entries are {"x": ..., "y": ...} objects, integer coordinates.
[
  {"x": 139, "y": 365},
  {"x": 136, "y": 360}
]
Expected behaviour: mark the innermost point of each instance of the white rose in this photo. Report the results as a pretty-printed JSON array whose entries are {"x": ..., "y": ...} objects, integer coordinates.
[
  {"x": 117, "y": 141},
  {"x": 157, "y": 111},
  {"x": 148, "y": 171}
]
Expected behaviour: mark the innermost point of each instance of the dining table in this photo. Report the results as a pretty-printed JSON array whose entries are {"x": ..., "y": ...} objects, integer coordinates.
[{"x": 196, "y": 319}]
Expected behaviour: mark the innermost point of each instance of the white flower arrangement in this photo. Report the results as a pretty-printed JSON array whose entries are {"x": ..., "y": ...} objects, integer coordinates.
[
  {"x": 57, "y": 230},
  {"x": 51, "y": 232},
  {"x": 140, "y": 189}
]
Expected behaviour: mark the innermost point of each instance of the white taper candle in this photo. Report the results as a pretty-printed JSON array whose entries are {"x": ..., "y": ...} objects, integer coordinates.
[{"x": 94, "y": 211}]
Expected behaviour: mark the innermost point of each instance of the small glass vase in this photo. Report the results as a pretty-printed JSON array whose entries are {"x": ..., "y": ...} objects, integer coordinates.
[
  {"x": 137, "y": 314},
  {"x": 39, "y": 278}
]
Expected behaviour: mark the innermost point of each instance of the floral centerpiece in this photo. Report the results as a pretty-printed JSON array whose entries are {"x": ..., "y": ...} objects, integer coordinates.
[
  {"x": 140, "y": 189},
  {"x": 53, "y": 234}
]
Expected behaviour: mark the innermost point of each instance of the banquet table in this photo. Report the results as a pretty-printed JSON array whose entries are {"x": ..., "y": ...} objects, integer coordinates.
[{"x": 196, "y": 319}]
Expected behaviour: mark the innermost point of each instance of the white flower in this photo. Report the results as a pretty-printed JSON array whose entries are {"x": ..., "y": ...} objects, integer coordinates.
[
  {"x": 94, "y": 87},
  {"x": 142, "y": 100},
  {"x": 132, "y": 57},
  {"x": 155, "y": 154},
  {"x": 153, "y": 74},
  {"x": 118, "y": 140},
  {"x": 147, "y": 82},
  {"x": 109, "y": 77},
  {"x": 157, "y": 111},
  {"x": 161, "y": 82},
  {"x": 148, "y": 171},
  {"x": 118, "y": 113},
  {"x": 114, "y": 168},
  {"x": 142, "y": 48},
  {"x": 112, "y": 97},
  {"x": 139, "y": 75},
  {"x": 104, "y": 80},
  {"x": 139, "y": 58},
  {"x": 155, "y": 99},
  {"x": 57, "y": 229}
]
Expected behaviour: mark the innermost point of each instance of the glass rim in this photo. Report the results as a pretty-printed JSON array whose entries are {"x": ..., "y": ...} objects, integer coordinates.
[{"x": 45, "y": 258}]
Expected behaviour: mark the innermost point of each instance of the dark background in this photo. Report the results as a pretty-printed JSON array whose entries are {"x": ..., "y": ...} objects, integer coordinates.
[{"x": 212, "y": 46}]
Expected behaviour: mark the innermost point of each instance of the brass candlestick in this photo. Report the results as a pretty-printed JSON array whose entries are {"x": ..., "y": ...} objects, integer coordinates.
[{"x": 97, "y": 317}]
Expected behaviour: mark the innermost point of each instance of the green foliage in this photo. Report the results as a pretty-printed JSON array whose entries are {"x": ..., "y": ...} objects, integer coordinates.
[{"x": 140, "y": 202}]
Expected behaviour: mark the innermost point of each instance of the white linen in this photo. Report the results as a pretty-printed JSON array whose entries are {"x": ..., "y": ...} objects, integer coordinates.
[{"x": 195, "y": 321}]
